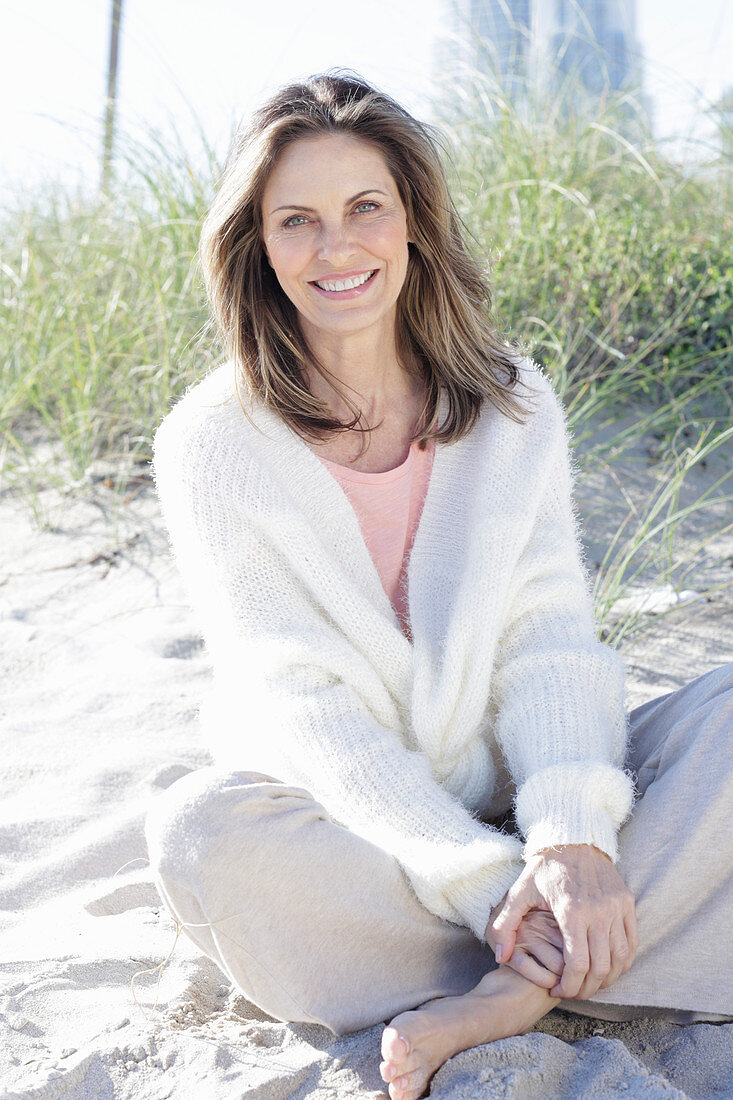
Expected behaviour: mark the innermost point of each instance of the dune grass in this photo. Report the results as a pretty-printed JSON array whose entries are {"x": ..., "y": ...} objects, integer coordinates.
[
  {"x": 101, "y": 308},
  {"x": 610, "y": 263},
  {"x": 613, "y": 265}
]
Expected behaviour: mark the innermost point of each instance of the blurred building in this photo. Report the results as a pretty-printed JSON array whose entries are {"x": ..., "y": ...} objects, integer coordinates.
[
  {"x": 500, "y": 36},
  {"x": 591, "y": 45}
]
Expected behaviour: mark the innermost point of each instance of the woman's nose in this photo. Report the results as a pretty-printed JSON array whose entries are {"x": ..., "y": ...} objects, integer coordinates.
[{"x": 336, "y": 244}]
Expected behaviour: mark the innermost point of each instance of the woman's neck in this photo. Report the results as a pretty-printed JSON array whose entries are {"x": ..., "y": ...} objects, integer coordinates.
[{"x": 366, "y": 364}]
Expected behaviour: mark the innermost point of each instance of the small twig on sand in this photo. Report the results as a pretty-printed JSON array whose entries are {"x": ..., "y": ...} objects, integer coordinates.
[{"x": 109, "y": 557}]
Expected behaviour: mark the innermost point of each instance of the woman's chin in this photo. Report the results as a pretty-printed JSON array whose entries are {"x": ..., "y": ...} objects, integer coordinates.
[{"x": 346, "y": 324}]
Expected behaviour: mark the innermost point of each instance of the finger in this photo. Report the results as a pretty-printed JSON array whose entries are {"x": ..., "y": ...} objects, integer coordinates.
[
  {"x": 620, "y": 952},
  {"x": 553, "y": 933},
  {"x": 534, "y": 944},
  {"x": 631, "y": 929},
  {"x": 515, "y": 905},
  {"x": 530, "y": 968},
  {"x": 576, "y": 955},
  {"x": 550, "y": 929},
  {"x": 548, "y": 956},
  {"x": 507, "y": 921},
  {"x": 541, "y": 923},
  {"x": 600, "y": 961}
]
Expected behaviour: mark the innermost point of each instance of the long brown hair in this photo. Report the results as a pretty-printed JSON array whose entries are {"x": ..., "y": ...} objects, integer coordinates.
[{"x": 443, "y": 310}]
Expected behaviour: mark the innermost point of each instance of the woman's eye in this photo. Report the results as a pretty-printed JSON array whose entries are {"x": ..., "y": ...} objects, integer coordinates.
[{"x": 296, "y": 220}]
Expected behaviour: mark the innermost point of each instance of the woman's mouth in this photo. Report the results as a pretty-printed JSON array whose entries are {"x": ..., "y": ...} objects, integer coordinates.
[{"x": 345, "y": 288}]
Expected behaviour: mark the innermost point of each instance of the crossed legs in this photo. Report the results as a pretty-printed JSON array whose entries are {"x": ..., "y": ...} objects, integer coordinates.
[{"x": 314, "y": 923}]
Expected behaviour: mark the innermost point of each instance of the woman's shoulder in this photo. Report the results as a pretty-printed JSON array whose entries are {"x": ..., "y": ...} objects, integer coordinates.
[
  {"x": 535, "y": 384},
  {"x": 541, "y": 410},
  {"x": 205, "y": 403},
  {"x": 209, "y": 417},
  {"x": 205, "y": 443}
]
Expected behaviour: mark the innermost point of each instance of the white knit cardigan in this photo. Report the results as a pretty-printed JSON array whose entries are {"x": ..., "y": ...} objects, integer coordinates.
[{"x": 505, "y": 693}]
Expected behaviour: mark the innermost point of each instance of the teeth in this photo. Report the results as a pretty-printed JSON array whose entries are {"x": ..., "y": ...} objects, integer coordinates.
[{"x": 345, "y": 284}]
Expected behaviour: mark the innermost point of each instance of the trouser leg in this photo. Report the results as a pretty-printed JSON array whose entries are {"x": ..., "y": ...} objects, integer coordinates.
[
  {"x": 313, "y": 923},
  {"x": 310, "y": 921},
  {"x": 676, "y": 855}
]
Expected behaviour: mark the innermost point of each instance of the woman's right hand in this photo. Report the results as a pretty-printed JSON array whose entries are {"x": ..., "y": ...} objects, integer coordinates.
[
  {"x": 538, "y": 952},
  {"x": 579, "y": 885}
]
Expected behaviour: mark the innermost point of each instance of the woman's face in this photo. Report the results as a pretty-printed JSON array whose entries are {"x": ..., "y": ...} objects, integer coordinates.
[{"x": 335, "y": 233}]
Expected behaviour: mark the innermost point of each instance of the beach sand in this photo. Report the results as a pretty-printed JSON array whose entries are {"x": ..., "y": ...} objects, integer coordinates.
[{"x": 103, "y": 671}]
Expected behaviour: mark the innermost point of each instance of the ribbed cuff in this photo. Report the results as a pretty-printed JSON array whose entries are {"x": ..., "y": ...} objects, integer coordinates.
[{"x": 583, "y": 803}]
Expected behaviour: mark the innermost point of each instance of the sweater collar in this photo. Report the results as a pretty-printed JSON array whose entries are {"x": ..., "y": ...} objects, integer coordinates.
[{"x": 318, "y": 504}]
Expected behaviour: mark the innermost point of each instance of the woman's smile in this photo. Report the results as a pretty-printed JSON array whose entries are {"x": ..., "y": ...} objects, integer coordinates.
[{"x": 345, "y": 286}]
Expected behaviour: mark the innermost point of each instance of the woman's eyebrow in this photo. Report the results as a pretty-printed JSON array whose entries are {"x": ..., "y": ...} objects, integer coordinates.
[{"x": 309, "y": 209}]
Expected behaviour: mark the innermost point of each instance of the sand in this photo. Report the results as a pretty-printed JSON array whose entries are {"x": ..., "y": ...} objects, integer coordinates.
[{"x": 102, "y": 672}]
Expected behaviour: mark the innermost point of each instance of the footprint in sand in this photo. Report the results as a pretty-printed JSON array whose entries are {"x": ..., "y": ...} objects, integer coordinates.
[
  {"x": 182, "y": 648},
  {"x": 126, "y": 896}
]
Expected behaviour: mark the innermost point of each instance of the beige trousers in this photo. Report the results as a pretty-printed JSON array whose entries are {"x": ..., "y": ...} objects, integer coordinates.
[{"x": 313, "y": 923}]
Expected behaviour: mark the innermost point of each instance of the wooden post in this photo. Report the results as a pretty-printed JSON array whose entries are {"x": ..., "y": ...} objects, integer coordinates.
[{"x": 111, "y": 102}]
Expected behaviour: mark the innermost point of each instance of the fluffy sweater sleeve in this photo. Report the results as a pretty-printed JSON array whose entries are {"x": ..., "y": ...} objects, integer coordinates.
[
  {"x": 294, "y": 697},
  {"x": 561, "y": 719}
]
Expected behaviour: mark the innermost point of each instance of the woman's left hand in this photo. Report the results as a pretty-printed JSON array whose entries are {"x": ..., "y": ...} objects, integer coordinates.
[
  {"x": 538, "y": 950},
  {"x": 594, "y": 910}
]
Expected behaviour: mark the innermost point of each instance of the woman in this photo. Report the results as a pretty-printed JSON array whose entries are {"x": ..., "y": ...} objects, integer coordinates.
[{"x": 422, "y": 757}]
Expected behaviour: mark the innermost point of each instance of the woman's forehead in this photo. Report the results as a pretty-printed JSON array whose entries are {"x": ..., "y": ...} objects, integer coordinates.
[{"x": 330, "y": 162}]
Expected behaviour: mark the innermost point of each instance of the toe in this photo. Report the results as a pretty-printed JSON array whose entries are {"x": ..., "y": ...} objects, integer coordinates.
[
  {"x": 395, "y": 1047},
  {"x": 408, "y": 1086},
  {"x": 388, "y": 1070},
  {"x": 397, "y": 1089}
]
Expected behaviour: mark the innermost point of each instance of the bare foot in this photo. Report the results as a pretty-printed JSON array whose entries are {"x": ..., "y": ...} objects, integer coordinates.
[{"x": 502, "y": 1004}]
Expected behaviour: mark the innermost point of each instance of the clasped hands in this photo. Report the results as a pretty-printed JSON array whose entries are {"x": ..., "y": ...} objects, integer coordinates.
[{"x": 568, "y": 923}]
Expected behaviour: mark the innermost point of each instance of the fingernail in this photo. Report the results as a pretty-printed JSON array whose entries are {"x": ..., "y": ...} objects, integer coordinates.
[{"x": 499, "y": 952}]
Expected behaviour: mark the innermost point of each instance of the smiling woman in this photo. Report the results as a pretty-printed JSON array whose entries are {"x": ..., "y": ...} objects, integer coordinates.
[
  {"x": 340, "y": 248},
  {"x": 422, "y": 758},
  {"x": 308, "y": 198}
]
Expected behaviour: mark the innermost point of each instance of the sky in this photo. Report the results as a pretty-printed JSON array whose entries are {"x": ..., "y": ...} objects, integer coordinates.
[{"x": 214, "y": 60}]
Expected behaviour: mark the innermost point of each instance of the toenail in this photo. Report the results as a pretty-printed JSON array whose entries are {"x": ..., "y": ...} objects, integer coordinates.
[{"x": 404, "y": 1042}]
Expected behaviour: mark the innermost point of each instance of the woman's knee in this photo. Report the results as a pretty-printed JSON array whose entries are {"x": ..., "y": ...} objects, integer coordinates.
[
  {"x": 190, "y": 815},
  {"x": 209, "y": 810},
  {"x": 690, "y": 724}
]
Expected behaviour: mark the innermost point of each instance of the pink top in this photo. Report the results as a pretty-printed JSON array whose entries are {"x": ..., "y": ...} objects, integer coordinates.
[{"x": 388, "y": 506}]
